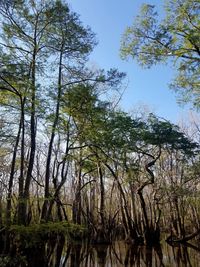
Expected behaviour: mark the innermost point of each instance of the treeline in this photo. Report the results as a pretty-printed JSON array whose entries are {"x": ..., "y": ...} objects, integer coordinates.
[{"x": 68, "y": 154}]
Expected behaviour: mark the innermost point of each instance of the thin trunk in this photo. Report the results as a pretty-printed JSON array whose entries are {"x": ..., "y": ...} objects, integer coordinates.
[
  {"x": 131, "y": 225},
  {"x": 49, "y": 155},
  {"x": 21, "y": 177},
  {"x": 58, "y": 187},
  {"x": 143, "y": 206},
  {"x": 33, "y": 136},
  {"x": 77, "y": 201},
  {"x": 181, "y": 230},
  {"x": 11, "y": 179},
  {"x": 151, "y": 235},
  {"x": 102, "y": 196}
]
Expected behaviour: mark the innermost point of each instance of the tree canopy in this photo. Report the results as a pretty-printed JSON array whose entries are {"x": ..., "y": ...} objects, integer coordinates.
[
  {"x": 69, "y": 156},
  {"x": 175, "y": 38}
]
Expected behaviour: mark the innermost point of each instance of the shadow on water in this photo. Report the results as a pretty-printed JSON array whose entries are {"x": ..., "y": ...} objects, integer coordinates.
[{"x": 58, "y": 252}]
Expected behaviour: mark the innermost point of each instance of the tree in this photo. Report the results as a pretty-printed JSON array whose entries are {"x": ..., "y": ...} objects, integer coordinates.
[
  {"x": 23, "y": 41},
  {"x": 70, "y": 43},
  {"x": 44, "y": 49},
  {"x": 174, "y": 39}
]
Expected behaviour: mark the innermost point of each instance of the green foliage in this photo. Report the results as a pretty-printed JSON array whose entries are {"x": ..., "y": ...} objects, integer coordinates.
[
  {"x": 135, "y": 135},
  {"x": 176, "y": 38},
  {"x": 13, "y": 261},
  {"x": 35, "y": 234},
  {"x": 66, "y": 33},
  {"x": 168, "y": 135},
  {"x": 44, "y": 48}
]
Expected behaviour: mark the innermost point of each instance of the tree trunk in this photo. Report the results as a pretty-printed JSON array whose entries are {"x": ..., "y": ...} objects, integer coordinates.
[
  {"x": 10, "y": 184},
  {"x": 49, "y": 155},
  {"x": 21, "y": 177},
  {"x": 133, "y": 236},
  {"x": 24, "y": 214}
]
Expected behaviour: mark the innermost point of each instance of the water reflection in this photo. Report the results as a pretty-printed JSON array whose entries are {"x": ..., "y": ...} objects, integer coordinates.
[{"x": 60, "y": 253}]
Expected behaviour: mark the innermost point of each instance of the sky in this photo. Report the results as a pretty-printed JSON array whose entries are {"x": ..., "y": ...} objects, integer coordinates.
[{"x": 144, "y": 87}]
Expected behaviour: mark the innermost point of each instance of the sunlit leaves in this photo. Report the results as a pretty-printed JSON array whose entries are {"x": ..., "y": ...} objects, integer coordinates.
[{"x": 175, "y": 38}]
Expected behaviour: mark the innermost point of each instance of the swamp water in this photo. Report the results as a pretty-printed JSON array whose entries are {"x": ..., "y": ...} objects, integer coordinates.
[{"x": 118, "y": 254}]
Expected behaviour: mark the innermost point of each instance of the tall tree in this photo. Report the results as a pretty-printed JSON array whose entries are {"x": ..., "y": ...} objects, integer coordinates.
[
  {"x": 70, "y": 43},
  {"x": 175, "y": 39},
  {"x": 23, "y": 43}
]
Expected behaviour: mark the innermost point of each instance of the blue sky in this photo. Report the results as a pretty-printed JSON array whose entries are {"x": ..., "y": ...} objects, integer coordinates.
[{"x": 109, "y": 19}]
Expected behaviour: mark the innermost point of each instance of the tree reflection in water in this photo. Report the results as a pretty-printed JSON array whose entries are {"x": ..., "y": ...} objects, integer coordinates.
[{"x": 60, "y": 253}]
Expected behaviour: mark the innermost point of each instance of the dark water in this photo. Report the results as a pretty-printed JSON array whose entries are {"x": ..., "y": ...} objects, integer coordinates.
[{"x": 118, "y": 254}]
